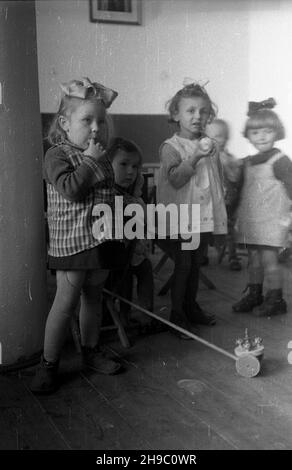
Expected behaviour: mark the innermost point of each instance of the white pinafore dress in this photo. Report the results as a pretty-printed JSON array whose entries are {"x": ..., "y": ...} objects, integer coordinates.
[{"x": 263, "y": 213}]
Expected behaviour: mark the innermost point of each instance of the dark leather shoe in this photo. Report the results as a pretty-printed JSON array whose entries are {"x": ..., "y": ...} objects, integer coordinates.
[
  {"x": 182, "y": 323},
  {"x": 199, "y": 317}
]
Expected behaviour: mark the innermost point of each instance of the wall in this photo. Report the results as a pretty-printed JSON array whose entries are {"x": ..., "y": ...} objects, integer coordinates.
[
  {"x": 270, "y": 58},
  {"x": 205, "y": 40},
  {"x": 243, "y": 47},
  {"x": 23, "y": 306}
]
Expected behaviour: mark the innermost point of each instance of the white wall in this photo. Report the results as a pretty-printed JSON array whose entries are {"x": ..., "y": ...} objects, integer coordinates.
[
  {"x": 242, "y": 47},
  {"x": 270, "y": 59},
  {"x": 147, "y": 64}
]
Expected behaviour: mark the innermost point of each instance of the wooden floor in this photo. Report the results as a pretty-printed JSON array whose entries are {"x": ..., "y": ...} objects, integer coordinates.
[{"x": 174, "y": 394}]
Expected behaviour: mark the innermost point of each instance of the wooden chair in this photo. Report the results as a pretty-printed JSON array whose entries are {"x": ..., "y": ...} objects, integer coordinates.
[{"x": 117, "y": 325}]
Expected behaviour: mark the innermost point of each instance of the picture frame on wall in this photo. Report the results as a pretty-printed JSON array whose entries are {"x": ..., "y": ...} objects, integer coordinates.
[{"x": 116, "y": 11}]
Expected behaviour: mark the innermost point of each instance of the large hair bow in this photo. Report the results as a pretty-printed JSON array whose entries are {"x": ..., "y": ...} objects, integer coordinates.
[
  {"x": 84, "y": 89},
  {"x": 191, "y": 82},
  {"x": 254, "y": 106}
]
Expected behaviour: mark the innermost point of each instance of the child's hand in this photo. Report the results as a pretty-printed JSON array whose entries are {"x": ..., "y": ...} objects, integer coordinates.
[
  {"x": 205, "y": 148},
  {"x": 94, "y": 150}
]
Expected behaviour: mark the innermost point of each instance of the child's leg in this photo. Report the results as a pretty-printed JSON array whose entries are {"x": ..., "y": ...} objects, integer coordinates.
[
  {"x": 145, "y": 292},
  {"x": 67, "y": 296},
  {"x": 272, "y": 269},
  {"x": 193, "y": 311},
  {"x": 182, "y": 268},
  {"x": 90, "y": 320},
  {"x": 69, "y": 285},
  {"x": 90, "y": 316},
  {"x": 255, "y": 283},
  {"x": 274, "y": 303},
  {"x": 192, "y": 284},
  {"x": 234, "y": 262},
  {"x": 255, "y": 268},
  {"x": 126, "y": 291},
  {"x": 145, "y": 284},
  {"x": 204, "y": 261}
]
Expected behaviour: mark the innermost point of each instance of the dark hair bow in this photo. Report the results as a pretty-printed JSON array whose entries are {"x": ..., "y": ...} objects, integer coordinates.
[
  {"x": 254, "y": 106},
  {"x": 84, "y": 89}
]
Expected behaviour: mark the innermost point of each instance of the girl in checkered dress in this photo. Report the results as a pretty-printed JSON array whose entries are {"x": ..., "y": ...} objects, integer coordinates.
[{"x": 78, "y": 176}]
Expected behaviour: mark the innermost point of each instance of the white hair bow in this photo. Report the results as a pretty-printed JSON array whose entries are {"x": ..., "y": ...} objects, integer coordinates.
[
  {"x": 84, "y": 89},
  {"x": 190, "y": 81}
]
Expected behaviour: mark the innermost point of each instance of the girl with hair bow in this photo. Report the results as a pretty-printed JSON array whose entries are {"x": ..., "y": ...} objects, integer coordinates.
[
  {"x": 78, "y": 174},
  {"x": 264, "y": 210},
  {"x": 189, "y": 174}
]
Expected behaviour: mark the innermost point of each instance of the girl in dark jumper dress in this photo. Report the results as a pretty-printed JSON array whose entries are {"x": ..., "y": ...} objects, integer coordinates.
[{"x": 264, "y": 210}]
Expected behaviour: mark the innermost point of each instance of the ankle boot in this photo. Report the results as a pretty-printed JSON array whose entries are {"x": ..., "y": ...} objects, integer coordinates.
[
  {"x": 273, "y": 304},
  {"x": 252, "y": 299},
  {"x": 197, "y": 316},
  {"x": 181, "y": 321},
  {"x": 45, "y": 380}
]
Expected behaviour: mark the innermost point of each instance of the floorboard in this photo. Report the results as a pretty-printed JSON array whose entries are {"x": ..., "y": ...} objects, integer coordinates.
[{"x": 174, "y": 394}]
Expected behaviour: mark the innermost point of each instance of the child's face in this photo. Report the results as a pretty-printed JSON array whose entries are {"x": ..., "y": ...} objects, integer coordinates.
[
  {"x": 87, "y": 120},
  {"x": 217, "y": 132},
  {"x": 125, "y": 166},
  {"x": 192, "y": 116},
  {"x": 263, "y": 139}
]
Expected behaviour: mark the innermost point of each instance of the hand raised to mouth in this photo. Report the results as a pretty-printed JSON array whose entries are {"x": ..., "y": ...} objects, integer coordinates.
[{"x": 94, "y": 150}]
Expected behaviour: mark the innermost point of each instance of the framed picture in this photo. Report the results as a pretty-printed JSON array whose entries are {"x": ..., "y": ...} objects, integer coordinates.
[{"x": 116, "y": 11}]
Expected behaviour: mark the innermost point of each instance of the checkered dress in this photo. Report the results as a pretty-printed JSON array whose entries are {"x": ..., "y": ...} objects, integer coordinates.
[{"x": 75, "y": 184}]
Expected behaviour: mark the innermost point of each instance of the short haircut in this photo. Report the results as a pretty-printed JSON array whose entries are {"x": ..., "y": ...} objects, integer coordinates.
[
  {"x": 265, "y": 118},
  {"x": 128, "y": 146}
]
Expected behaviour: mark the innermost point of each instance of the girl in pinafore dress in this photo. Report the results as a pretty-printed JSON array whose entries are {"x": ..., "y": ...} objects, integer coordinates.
[
  {"x": 264, "y": 210},
  {"x": 189, "y": 174},
  {"x": 78, "y": 175}
]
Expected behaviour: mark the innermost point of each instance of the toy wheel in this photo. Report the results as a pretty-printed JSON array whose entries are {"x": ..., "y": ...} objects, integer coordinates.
[{"x": 248, "y": 366}]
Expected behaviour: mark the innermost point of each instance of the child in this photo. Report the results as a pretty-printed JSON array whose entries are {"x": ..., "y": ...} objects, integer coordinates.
[
  {"x": 78, "y": 175},
  {"x": 264, "y": 210},
  {"x": 189, "y": 174},
  {"x": 219, "y": 131},
  {"x": 126, "y": 160}
]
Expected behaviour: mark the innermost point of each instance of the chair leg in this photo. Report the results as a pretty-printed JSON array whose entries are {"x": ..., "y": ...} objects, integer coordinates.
[
  {"x": 117, "y": 321},
  {"x": 221, "y": 254},
  {"x": 206, "y": 281},
  {"x": 160, "y": 263},
  {"x": 74, "y": 325},
  {"x": 165, "y": 288}
]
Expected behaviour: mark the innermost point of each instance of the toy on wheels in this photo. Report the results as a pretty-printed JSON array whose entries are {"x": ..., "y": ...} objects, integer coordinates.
[{"x": 249, "y": 353}]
